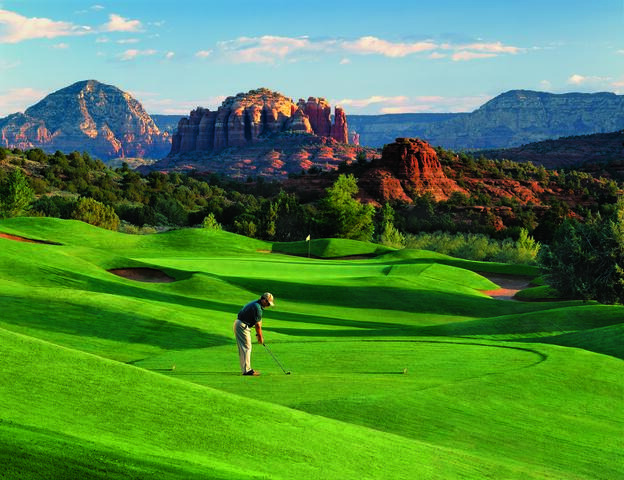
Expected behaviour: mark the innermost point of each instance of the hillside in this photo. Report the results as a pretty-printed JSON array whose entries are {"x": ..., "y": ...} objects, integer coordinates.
[
  {"x": 575, "y": 151},
  {"x": 402, "y": 354},
  {"x": 509, "y": 120},
  {"x": 86, "y": 116}
]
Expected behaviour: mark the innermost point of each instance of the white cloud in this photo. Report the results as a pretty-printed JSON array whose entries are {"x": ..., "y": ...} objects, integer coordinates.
[
  {"x": 203, "y": 53},
  {"x": 18, "y": 99},
  {"x": 266, "y": 49},
  {"x": 495, "y": 47},
  {"x": 133, "y": 53},
  {"x": 97, "y": 7},
  {"x": 373, "y": 45},
  {"x": 437, "y": 55},
  {"x": 167, "y": 106},
  {"x": 61, "y": 46},
  {"x": 379, "y": 104},
  {"x": 546, "y": 85},
  {"x": 465, "y": 56},
  {"x": 126, "y": 41},
  {"x": 473, "y": 51},
  {"x": 169, "y": 55},
  {"x": 345, "y": 61},
  {"x": 580, "y": 80},
  {"x": 16, "y": 28},
  {"x": 271, "y": 49},
  {"x": 375, "y": 99},
  {"x": 117, "y": 23}
]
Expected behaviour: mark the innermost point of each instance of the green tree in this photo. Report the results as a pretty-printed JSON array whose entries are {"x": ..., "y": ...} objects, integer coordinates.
[
  {"x": 586, "y": 260},
  {"x": 390, "y": 235},
  {"x": 343, "y": 215},
  {"x": 210, "y": 223},
  {"x": 95, "y": 213},
  {"x": 15, "y": 194}
]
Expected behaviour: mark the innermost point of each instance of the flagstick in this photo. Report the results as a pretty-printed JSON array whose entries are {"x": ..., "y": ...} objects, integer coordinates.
[{"x": 309, "y": 243}]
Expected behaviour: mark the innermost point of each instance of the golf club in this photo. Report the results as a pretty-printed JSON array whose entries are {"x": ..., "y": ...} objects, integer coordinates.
[{"x": 276, "y": 360}]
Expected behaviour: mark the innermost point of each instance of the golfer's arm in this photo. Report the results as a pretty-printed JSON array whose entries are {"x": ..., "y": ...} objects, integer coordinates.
[{"x": 258, "y": 328}]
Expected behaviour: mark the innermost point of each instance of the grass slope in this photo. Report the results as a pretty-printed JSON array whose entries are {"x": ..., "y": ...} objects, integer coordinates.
[{"x": 402, "y": 367}]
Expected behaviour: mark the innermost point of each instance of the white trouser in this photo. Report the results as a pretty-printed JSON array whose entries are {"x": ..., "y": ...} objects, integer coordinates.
[{"x": 243, "y": 340}]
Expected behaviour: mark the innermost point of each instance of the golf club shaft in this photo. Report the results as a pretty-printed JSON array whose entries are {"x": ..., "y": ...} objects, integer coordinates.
[{"x": 275, "y": 358}]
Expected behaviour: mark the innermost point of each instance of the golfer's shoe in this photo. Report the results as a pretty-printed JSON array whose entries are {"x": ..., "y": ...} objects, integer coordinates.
[{"x": 251, "y": 373}]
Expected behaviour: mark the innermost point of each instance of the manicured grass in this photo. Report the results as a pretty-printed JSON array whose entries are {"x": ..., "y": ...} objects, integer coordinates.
[{"x": 401, "y": 366}]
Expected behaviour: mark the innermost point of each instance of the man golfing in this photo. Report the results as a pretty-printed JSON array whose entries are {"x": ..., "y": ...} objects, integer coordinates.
[{"x": 250, "y": 316}]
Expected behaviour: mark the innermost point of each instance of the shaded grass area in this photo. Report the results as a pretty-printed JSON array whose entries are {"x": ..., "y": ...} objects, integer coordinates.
[{"x": 35, "y": 453}]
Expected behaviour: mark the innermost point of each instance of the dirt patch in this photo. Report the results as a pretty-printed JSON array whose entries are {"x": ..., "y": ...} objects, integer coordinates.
[
  {"x": 24, "y": 239},
  {"x": 509, "y": 285},
  {"x": 143, "y": 274}
]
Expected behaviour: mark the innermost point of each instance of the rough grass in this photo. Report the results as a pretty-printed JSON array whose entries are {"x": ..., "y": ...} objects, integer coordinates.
[{"x": 399, "y": 354}]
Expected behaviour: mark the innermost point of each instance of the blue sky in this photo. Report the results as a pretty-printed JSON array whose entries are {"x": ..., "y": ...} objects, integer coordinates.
[{"x": 370, "y": 57}]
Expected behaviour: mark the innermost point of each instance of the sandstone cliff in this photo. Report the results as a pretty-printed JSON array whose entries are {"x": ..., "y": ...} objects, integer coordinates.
[
  {"x": 406, "y": 166},
  {"x": 275, "y": 157},
  {"x": 87, "y": 116},
  {"x": 249, "y": 118}
]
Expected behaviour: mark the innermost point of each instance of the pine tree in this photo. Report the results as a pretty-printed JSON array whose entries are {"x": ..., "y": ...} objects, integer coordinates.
[{"x": 15, "y": 194}]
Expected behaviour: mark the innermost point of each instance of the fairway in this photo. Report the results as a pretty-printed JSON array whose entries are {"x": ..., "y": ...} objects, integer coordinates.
[{"x": 402, "y": 366}]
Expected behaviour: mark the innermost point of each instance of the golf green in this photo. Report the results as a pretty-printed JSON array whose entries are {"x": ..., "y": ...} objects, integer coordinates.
[{"x": 402, "y": 367}]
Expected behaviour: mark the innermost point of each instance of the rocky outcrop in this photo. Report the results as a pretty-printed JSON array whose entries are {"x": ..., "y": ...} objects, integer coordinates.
[
  {"x": 87, "y": 116},
  {"x": 249, "y": 118},
  {"x": 339, "y": 129},
  {"x": 275, "y": 157},
  {"x": 406, "y": 166}
]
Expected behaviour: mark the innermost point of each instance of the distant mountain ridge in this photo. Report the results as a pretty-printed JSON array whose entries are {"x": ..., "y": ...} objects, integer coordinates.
[
  {"x": 108, "y": 123},
  {"x": 572, "y": 152},
  {"x": 87, "y": 116},
  {"x": 509, "y": 120}
]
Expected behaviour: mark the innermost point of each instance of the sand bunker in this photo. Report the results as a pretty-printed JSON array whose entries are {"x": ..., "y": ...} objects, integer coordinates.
[
  {"x": 510, "y": 285},
  {"x": 143, "y": 274},
  {"x": 24, "y": 239}
]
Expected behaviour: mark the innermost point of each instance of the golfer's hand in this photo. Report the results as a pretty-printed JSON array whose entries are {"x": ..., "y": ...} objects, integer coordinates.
[{"x": 260, "y": 339}]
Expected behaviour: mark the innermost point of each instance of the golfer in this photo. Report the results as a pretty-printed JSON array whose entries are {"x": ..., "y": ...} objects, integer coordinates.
[{"x": 250, "y": 316}]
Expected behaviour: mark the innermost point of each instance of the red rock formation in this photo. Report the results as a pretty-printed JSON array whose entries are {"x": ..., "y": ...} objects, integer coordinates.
[
  {"x": 339, "y": 129},
  {"x": 319, "y": 112},
  {"x": 299, "y": 122},
  {"x": 249, "y": 118},
  {"x": 408, "y": 165}
]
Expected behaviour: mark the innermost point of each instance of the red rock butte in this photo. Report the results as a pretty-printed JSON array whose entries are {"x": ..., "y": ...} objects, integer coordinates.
[{"x": 246, "y": 118}]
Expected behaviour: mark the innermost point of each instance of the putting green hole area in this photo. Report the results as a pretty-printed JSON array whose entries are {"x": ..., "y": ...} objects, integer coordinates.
[{"x": 322, "y": 369}]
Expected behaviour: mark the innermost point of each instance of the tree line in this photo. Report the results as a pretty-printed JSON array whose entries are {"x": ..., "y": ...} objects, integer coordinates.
[{"x": 76, "y": 186}]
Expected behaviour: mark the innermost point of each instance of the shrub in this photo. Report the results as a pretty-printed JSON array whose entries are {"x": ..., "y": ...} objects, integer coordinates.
[
  {"x": 210, "y": 223},
  {"x": 95, "y": 213},
  {"x": 479, "y": 247}
]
